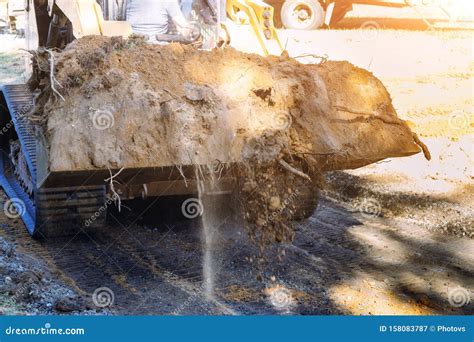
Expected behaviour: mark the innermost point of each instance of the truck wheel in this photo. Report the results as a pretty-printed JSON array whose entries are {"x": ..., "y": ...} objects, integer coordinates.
[
  {"x": 306, "y": 202},
  {"x": 302, "y": 14}
]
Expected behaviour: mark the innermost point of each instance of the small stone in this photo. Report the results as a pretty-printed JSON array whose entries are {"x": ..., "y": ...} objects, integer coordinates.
[
  {"x": 112, "y": 78},
  {"x": 249, "y": 186},
  {"x": 274, "y": 203},
  {"x": 196, "y": 93}
]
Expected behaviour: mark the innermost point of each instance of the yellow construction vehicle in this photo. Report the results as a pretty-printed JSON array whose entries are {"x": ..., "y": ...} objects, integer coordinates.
[
  {"x": 259, "y": 16},
  {"x": 48, "y": 200},
  {"x": 55, "y": 23},
  {"x": 51, "y": 200}
]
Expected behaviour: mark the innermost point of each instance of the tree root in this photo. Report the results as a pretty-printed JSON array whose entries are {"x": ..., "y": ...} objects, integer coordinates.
[
  {"x": 115, "y": 194},
  {"x": 291, "y": 169},
  {"x": 423, "y": 147},
  {"x": 53, "y": 79}
]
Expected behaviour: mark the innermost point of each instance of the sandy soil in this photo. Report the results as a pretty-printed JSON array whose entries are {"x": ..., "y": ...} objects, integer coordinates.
[{"x": 390, "y": 238}]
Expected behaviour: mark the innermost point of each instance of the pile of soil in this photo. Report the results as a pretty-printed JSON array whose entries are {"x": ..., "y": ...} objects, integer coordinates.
[
  {"x": 112, "y": 103},
  {"x": 129, "y": 104},
  {"x": 27, "y": 286}
]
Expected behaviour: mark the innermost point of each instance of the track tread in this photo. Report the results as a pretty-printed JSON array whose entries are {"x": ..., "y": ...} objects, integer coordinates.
[{"x": 54, "y": 211}]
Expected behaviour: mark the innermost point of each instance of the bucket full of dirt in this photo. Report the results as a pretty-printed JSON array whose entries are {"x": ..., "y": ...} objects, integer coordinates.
[
  {"x": 113, "y": 103},
  {"x": 109, "y": 104}
]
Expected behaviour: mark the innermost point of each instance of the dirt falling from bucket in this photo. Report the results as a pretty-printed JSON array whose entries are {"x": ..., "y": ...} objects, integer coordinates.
[
  {"x": 207, "y": 264},
  {"x": 212, "y": 220}
]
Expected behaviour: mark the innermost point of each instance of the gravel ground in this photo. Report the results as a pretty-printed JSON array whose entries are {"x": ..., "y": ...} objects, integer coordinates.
[{"x": 28, "y": 287}]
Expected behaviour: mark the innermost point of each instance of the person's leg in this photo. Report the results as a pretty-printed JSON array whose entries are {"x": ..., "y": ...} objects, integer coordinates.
[
  {"x": 222, "y": 10},
  {"x": 186, "y": 8},
  {"x": 12, "y": 24}
]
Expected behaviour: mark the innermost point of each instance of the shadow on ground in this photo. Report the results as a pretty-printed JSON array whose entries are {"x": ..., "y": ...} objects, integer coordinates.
[{"x": 341, "y": 262}]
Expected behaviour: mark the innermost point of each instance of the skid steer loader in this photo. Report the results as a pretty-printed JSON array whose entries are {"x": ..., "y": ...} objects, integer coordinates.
[
  {"x": 50, "y": 203},
  {"x": 55, "y": 199}
]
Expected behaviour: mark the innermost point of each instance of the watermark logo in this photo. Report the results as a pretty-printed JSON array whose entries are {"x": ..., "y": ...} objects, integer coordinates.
[
  {"x": 103, "y": 297},
  {"x": 103, "y": 209},
  {"x": 280, "y": 297},
  {"x": 281, "y": 207},
  {"x": 370, "y": 207},
  {"x": 21, "y": 112},
  {"x": 192, "y": 208},
  {"x": 45, "y": 330},
  {"x": 458, "y": 297},
  {"x": 459, "y": 120},
  {"x": 283, "y": 121},
  {"x": 103, "y": 119},
  {"x": 369, "y": 30},
  {"x": 14, "y": 208},
  {"x": 191, "y": 299}
]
